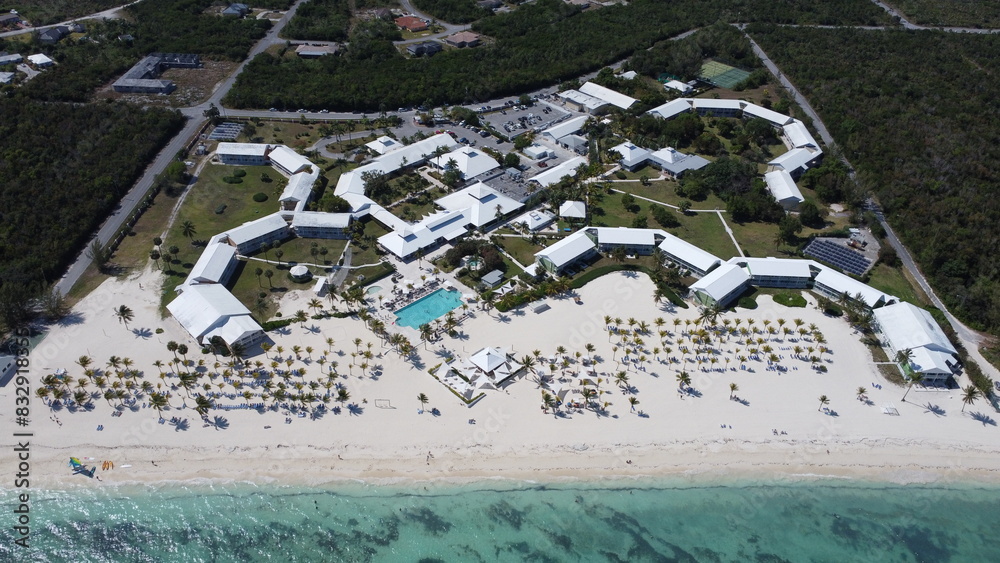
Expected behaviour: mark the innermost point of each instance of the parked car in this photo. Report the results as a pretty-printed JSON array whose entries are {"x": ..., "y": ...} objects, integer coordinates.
[{"x": 273, "y": 109}]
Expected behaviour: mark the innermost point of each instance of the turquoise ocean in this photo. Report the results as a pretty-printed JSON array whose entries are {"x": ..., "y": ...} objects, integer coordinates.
[{"x": 654, "y": 520}]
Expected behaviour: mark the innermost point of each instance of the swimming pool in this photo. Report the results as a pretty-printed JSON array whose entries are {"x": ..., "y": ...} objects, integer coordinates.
[
  {"x": 426, "y": 309},
  {"x": 373, "y": 290}
]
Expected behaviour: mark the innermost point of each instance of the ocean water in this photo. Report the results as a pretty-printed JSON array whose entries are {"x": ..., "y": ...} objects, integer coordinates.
[{"x": 822, "y": 520}]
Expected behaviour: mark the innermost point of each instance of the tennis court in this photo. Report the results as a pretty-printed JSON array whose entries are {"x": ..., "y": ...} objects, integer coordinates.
[{"x": 722, "y": 75}]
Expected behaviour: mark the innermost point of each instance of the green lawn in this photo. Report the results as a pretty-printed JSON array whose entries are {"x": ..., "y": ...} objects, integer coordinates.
[
  {"x": 199, "y": 208},
  {"x": 300, "y": 250},
  {"x": 756, "y": 239},
  {"x": 705, "y": 231},
  {"x": 423, "y": 205},
  {"x": 521, "y": 249},
  {"x": 365, "y": 251},
  {"x": 892, "y": 281},
  {"x": 665, "y": 192}
]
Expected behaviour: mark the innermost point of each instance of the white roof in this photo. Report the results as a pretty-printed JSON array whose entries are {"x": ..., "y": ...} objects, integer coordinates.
[
  {"x": 782, "y": 186},
  {"x": 535, "y": 219},
  {"x": 908, "y": 326},
  {"x": 721, "y": 281},
  {"x": 706, "y": 104},
  {"x": 631, "y": 154},
  {"x": 574, "y": 209},
  {"x": 404, "y": 241},
  {"x": 212, "y": 264},
  {"x": 489, "y": 359},
  {"x": 672, "y": 108},
  {"x": 675, "y": 162},
  {"x": 774, "y": 267},
  {"x": 630, "y": 75},
  {"x": 608, "y": 95},
  {"x": 535, "y": 151},
  {"x": 200, "y": 308},
  {"x": 234, "y": 329},
  {"x": 567, "y": 127},
  {"x": 798, "y": 135},
  {"x": 471, "y": 162},
  {"x": 384, "y": 144},
  {"x": 257, "y": 228},
  {"x": 481, "y": 201},
  {"x": 39, "y": 59},
  {"x": 688, "y": 253},
  {"x": 841, "y": 283},
  {"x": 925, "y": 360},
  {"x": 777, "y": 119},
  {"x": 794, "y": 159},
  {"x": 351, "y": 182},
  {"x": 678, "y": 85},
  {"x": 6, "y": 77},
  {"x": 242, "y": 149},
  {"x": 299, "y": 186},
  {"x": 589, "y": 102},
  {"x": 289, "y": 159},
  {"x": 567, "y": 249},
  {"x": 626, "y": 236},
  {"x": 556, "y": 173},
  {"x": 320, "y": 219}
]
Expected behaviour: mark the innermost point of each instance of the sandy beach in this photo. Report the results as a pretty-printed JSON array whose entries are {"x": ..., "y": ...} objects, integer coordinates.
[{"x": 930, "y": 440}]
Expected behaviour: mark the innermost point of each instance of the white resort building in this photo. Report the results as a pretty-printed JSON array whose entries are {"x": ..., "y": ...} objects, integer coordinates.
[{"x": 907, "y": 327}]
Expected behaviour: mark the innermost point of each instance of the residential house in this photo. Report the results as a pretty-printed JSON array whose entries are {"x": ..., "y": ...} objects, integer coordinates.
[
  {"x": 411, "y": 23},
  {"x": 463, "y": 39},
  {"x": 53, "y": 35},
  {"x": 428, "y": 48},
  {"x": 237, "y": 10},
  {"x": 316, "y": 51}
]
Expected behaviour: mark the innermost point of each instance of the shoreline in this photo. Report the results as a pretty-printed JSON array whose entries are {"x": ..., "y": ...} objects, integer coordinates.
[{"x": 848, "y": 462}]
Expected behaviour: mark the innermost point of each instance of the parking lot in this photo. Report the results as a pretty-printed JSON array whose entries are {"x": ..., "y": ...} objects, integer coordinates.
[{"x": 516, "y": 120}]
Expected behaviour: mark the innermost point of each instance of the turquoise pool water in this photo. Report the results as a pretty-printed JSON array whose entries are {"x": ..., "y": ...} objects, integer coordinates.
[
  {"x": 426, "y": 309},
  {"x": 373, "y": 290}
]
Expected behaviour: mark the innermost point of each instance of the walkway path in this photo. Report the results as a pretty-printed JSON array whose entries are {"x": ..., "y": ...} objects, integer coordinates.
[
  {"x": 110, "y": 13},
  {"x": 669, "y": 204},
  {"x": 729, "y": 232}
]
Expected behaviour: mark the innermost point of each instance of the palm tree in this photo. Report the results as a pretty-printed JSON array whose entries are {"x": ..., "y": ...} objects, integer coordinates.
[
  {"x": 124, "y": 314},
  {"x": 733, "y": 388},
  {"x": 202, "y": 405},
  {"x": 423, "y": 400},
  {"x": 183, "y": 350},
  {"x": 158, "y": 401},
  {"x": 633, "y": 400},
  {"x": 915, "y": 378},
  {"x": 683, "y": 379},
  {"x": 315, "y": 304},
  {"x": 425, "y": 333},
  {"x": 823, "y": 400},
  {"x": 969, "y": 395},
  {"x": 268, "y": 273},
  {"x": 904, "y": 356},
  {"x": 188, "y": 230},
  {"x": 860, "y": 391}
]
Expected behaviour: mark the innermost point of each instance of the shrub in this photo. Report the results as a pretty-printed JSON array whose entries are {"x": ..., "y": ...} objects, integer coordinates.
[
  {"x": 260, "y": 197},
  {"x": 747, "y": 302},
  {"x": 220, "y": 209},
  {"x": 239, "y": 173},
  {"x": 620, "y": 175},
  {"x": 232, "y": 180}
]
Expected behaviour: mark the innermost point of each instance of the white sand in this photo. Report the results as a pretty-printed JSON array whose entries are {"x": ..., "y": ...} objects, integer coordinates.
[{"x": 512, "y": 438}]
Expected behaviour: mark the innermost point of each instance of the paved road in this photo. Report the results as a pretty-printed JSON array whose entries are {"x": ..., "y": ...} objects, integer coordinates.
[
  {"x": 195, "y": 120},
  {"x": 106, "y": 14},
  {"x": 970, "y": 338},
  {"x": 448, "y": 28},
  {"x": 908, "y": 25}
]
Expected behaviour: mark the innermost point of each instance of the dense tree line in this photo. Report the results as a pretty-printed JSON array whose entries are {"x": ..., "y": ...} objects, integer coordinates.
[
  {"x": 452, "y": 11},
  {"x": 322, "y": 20},
  {"x": 181, "y": 26},
  {"x": 537, "y": 45},
  {"x": 45, "y": 12},
  {"x": 683, "y": 59},
  {"x": 736, "y": 181},
  {"x": 63, "y": 168},
  {"x": 950, "y": 12},
  {"x": 916, "y": 114}
]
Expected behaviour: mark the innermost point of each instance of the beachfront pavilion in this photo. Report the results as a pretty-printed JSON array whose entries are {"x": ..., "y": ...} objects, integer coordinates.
[{"x": 904, "y": 326}]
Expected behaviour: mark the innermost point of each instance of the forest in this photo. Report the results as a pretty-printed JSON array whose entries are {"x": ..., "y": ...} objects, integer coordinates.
[
  {"x": 45, "y": 12},
  {"x": 452, "y": 11},
  {"x": 916, "y": 114},
  {"x": 321, "y": 20},
  {"x": 177, "y": 26},
  {"x": 63, "y": 168},
  {"x": 538, "y": 45},
  {"x": 966, "y": 13}
]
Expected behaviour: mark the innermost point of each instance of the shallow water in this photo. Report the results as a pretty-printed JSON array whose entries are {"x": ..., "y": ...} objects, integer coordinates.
[{"x": 501, "y": 521}]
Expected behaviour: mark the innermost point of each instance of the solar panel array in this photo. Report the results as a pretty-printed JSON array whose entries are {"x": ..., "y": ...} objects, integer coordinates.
[
  {"x": 842, "y": 257},
  {"x": 226, "y": 132}
]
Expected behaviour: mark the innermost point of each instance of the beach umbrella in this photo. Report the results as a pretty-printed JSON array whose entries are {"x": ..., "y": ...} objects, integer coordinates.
[{"x": 74, "y": 462}]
